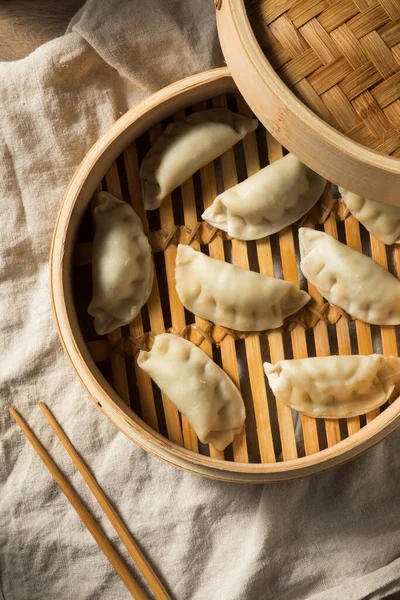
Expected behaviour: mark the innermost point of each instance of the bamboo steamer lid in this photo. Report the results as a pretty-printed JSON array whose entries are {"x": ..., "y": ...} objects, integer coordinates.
[{"x": 323, "y": 76}]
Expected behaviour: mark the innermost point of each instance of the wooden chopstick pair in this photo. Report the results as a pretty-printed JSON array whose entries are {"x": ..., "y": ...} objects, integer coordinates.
[{"x": 116, "y": 561}]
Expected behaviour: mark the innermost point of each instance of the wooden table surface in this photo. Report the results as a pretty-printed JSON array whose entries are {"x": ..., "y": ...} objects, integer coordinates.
[{"x": 26, "y": 24}]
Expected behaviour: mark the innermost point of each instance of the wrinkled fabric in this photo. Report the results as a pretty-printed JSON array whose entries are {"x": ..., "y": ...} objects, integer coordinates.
[{"x": 331, "y": 537}]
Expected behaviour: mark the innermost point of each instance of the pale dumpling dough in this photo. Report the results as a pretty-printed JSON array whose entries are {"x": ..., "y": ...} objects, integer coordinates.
[
  {"x": 349, "y": 279},
  {"x": 334, "y": 387},
  {"x": 268, "y": 201},
  {"x": 186, "y": 146},
  {"x": 382, "y": 220},
  {"x": 122, "y": 264},
  {"x": 200, "y": 390},
  {"x": 233, "y": 297}
]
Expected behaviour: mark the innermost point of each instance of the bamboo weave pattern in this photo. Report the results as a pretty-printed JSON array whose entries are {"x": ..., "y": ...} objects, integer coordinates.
[{"x": 341, "y": 58}]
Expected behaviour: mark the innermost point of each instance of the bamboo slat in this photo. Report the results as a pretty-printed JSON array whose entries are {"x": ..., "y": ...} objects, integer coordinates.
[
  {"x": 299, "y": 344},
  {"x": 287, "y": 433},
  {"x": 252, "y": 342},
  {"x": 363, "y": 330},
  {"x": 298, "y": 339},
  {"x": 227, "y": 345},
  {"x": 177, "y": 310},
  {"x": 148, "y": 407},
  {"x": 156, "y": 311},
  {"x": 342, "y": 328},
  {"x": 388, "y": 332},
  {"x": 117, "y": 361}
]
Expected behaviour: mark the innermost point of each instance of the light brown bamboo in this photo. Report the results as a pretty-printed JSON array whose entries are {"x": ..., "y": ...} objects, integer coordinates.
[
  {"x": 85, "y": 516},
  {"x": 342, "y": 327},
  {"x": 118, "y": 366},
  {"x": 252, "y": 341},
  {"x": 275, "y": 340},
  {"x": 388, "y": 332},
  {"x": 322, "y": 348},
  {"x": 298, "y": 335},
  {"x": 298, "y": 338},
  {"x": 338, "y": 75},
  {"x": 146, "y": 396},
  {"x": 364, "y": 337},
  {"x": 134, "y": 551},
  {"x": 177, "y": 310},
  {"x": 266, "y": 265},
  {"x": 227, "y": 345},
  {"x": 157, "y": 326}
]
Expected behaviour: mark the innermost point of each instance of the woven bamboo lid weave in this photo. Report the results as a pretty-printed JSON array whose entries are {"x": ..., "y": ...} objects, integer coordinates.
[{"x": 342, "y": 60}]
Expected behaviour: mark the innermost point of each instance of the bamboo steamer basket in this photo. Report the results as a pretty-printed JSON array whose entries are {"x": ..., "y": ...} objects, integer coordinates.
[
  {"x": 323, "y": 76},
  {"x": 276, "y": 444}
]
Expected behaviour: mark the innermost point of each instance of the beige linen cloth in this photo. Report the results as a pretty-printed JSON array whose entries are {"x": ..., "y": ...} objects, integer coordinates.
[{"x": 332, "y": 537}]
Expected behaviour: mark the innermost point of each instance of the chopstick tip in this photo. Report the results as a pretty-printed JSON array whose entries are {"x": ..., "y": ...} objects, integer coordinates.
[
  {"x": 46, "y": 411},
  {"x": 16, "y": 416}
]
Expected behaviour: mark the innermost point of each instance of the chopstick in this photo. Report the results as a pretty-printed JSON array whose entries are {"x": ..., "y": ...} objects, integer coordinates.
[
  {"x": 141, "y": 562},
  {"x": 86, "y": 517},
  {"x": 102, "y": 541}
]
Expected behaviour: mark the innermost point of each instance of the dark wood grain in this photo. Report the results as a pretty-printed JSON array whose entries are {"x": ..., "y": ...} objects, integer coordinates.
[{"x": 25, "y": 25}]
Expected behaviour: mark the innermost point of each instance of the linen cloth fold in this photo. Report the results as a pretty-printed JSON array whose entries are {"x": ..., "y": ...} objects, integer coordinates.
[{"x": 331, "y": 537}]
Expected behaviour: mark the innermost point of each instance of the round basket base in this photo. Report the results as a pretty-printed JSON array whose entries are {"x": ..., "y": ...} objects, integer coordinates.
[{"x": 276, "y": 443}]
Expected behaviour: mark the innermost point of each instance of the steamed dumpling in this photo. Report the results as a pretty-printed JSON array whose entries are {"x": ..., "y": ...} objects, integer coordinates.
[
  {"x": 186, "y": 146},
  {"x": 382, "y": 220},
  {"x": 268, "y": 201},
  {"x": 334, "y": 386},
  {"x": 197, "y": 386},
  {"x": 231, "y": 296},
  {"x": 349, "y": 279},
  {"x": 122, "y": 264}
]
